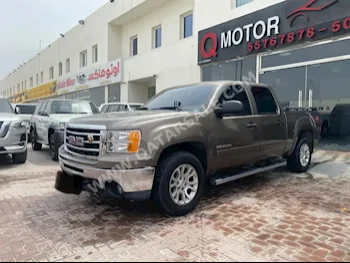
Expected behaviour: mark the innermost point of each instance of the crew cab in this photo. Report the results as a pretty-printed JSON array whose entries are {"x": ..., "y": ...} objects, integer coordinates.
[
  {"x": 184, "y": 136},
  {"x": 49, "y": 120},
  {"x": 13, "y": 133}
]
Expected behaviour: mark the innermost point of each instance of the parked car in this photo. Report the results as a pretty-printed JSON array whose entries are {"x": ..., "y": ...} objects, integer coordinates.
[
  {"x": 220, "y": 131},
  {"x": 25, "y": 111},
  {"x": 13, "y": 134},
  {"x": 119, "y": 106},
  {"x": 49, "y": 121}
]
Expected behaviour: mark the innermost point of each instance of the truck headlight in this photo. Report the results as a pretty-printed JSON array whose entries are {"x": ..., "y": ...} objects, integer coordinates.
[
  {"x": 62, "y": 126},
  {"x": 123, "y": 141}
]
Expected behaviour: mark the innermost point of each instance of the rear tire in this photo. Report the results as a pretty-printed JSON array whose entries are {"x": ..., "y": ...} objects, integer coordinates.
[
  {"x": 19, "y": 158},
  {"x": 179, "y": 183},
  {"x": 300, "y": 160},
  {"x": 35, "y": 145}
]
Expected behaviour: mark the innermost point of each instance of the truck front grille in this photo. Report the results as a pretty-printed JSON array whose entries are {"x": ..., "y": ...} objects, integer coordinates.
[{"x": 84, "y": 142}]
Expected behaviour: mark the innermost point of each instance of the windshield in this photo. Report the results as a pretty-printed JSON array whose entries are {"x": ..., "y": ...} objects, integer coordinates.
[
  {"x": 5, "y": 106},
  {"x": 190, "y": 98},
  {"x": 26, "y": 109},
  {"x": 71, "y": 107}
]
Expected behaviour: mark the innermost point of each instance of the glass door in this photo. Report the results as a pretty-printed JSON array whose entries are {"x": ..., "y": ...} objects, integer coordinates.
[{"x": 289, "y": 85}]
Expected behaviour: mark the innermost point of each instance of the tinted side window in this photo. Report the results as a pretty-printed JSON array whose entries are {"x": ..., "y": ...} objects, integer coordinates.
[
  {"x": 237, "y": 93},
  {"x": 42, "y": 107},
  {"x": 265, "y": 102},
  {"x": 48, "y": 107},
  {"x": 114, "y": 108},
  {"x": 37, "y": 109}
]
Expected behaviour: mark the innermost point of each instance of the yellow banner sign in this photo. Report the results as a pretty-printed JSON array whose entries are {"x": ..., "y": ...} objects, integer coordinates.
[{"x": 43, "y": 91}]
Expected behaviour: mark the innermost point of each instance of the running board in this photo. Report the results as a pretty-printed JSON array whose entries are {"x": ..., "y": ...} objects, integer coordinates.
[{"x": 215, "y": 181}]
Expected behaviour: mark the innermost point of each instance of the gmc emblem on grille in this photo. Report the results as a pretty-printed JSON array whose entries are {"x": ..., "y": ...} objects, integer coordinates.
[{"x": 78, "y": 141}]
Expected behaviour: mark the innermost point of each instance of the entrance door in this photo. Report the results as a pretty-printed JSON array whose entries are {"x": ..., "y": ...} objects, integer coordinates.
[{"x": 289, "y": 85}]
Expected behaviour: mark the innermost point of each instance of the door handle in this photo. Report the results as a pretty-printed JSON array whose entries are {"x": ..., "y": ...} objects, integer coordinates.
[
  {"x": 279, "y": 122},
  {"x": 251, "y": 125}
]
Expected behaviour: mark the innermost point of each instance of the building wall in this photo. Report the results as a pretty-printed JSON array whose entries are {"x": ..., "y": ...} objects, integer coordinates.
[
  {"x": 172, "y": 64},
  {"x": 111, "y": 28}
]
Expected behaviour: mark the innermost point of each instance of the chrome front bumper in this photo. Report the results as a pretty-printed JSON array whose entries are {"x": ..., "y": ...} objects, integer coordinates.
[
  {"x": 14, "y": 142},
  {"x": 133, "y": 180}
]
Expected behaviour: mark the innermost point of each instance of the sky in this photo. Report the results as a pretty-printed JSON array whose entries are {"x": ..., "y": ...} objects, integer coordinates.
[{"x": 25, "y": 22}]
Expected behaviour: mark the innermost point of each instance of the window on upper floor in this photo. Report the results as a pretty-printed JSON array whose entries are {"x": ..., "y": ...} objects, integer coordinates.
[
  {"x": 239, "y": 3},
  {"x": 133, "y": 46},
  {"x": 83, "y": 59},
  {"x": 37, "y": 79},
  {"x": 31, "y": 82},
  {"x": 51, "y": 73},
  {"x": 186, "y": 25},
  {"x": 42, "y": 77},
  {"x": 67, "y": 65},
  {"x": 157, "y": 36},
  {"x": 60, "y": 69},
  {"x": 95, "y": 54},
  {"x": 22, "y": 86},
  {"x": 25, "y": 84}
]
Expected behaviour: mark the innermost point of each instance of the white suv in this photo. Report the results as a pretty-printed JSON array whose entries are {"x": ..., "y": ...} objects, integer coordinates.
[
  {"x": 13, "y": 134},
  {"x": 48, "y": 123},
  {"x": 119, "y": 106}
]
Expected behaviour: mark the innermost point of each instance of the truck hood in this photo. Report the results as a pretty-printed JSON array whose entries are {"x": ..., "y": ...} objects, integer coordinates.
[
  {"x": 64, "y": 118},
  {"x": 5, "y": 117},
  {"x": 126, "y": 120}
]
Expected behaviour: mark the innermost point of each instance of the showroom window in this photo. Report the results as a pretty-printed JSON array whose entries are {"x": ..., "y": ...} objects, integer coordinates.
[
  {"x": 133, "y": 46},
  {"x": 97, "y": 95},
  {"x": 319, "y": 51},
  {"x": 95, "y": 54},
  {"x": 232, "y": 70},
  {"x": 187, "y": 25},
  {"x": 157, "y": 36},
  {"x": 239, "y": 3},
  {"x": 114, "y": 93},
  {"x": 151, "y": 92},
  {"x": 83, "y": 59}
]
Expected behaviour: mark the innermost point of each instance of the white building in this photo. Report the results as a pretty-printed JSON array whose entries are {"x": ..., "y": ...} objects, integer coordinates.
[{"x": 298, "y": 46}]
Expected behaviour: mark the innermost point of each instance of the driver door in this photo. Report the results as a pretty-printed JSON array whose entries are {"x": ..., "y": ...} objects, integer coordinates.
[{"x": 235, "y": 138}]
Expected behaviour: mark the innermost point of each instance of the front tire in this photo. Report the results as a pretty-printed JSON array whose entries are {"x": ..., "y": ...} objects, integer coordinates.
[
  {"x": 179, "y": 183},
  {"x": 300, "y": 160},
  {"x": 19, "y": 158},
  {"x": 53, "y": 148},
  {"x": 35, "y": 145}
]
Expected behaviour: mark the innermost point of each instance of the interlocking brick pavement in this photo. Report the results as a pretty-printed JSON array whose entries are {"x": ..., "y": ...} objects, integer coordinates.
[{"x": 270, "y": 217}]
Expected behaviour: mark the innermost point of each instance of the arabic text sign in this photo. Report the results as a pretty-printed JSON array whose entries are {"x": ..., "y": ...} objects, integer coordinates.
[{"x": 91, "y": 78}]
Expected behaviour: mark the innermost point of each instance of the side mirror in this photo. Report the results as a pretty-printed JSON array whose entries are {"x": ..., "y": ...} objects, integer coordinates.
[
  {"x": 229, "y": 107},
  {"x": 17, "y": 110},
  {"x": 43, "y": 113}
]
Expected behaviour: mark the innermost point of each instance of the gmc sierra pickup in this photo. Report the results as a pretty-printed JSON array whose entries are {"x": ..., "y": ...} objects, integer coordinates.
[{"x": 184, "y": 136}]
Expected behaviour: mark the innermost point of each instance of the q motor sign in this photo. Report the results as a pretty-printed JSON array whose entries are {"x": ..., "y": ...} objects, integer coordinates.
[
  {"x": 291, "y": 22},
  {"x": 91, "y": 78}
]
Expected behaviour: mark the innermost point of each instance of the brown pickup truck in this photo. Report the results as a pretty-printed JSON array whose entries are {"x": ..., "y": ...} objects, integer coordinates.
[{"x": 182, "y": 138}]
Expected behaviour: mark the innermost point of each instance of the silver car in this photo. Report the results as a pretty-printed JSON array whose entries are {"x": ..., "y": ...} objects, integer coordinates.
[{"x": 13, "y": 133}]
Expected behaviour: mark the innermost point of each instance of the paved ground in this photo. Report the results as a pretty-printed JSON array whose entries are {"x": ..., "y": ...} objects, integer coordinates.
[{"x": 271, "y": 217}]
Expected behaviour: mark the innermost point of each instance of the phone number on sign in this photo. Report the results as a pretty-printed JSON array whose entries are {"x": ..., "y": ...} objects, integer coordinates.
[{"x": 292, "y": 37}]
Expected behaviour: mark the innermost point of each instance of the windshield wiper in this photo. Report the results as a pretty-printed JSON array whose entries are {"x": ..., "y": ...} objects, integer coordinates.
[
  {"x": 63, "y": 112},
  {"x": 171, "y": 108},
  {"x": 143, "y": 108}
]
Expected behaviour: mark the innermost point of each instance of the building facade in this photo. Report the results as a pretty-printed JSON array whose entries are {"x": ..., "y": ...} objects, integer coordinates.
[{"x": 128, "y": 50}]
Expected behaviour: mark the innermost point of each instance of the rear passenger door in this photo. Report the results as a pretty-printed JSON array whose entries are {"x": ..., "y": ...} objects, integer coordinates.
[{"x": 272, "y": 124}]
